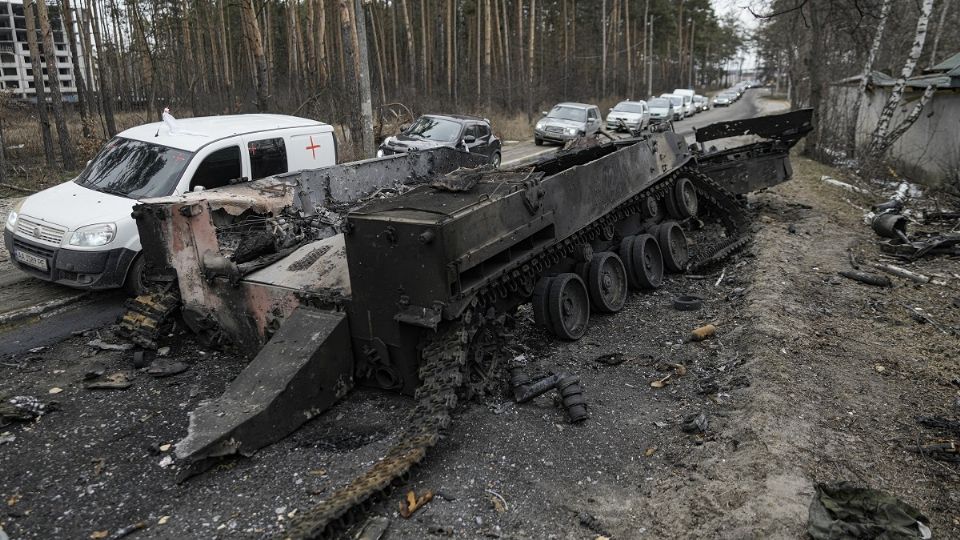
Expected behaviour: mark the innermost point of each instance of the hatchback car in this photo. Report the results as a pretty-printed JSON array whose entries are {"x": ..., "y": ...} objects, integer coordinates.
[
  {"x": 469, "y": 133},
  {"x": 724, "y": 100},
  {"x": 661, "y": 110},
  {"x": 701, "y": 103},
  {"x": 567, "y": 121},
  {"x": 629, "y": 115}
]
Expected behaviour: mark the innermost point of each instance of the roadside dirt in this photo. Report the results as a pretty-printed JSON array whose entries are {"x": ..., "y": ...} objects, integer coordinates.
[{"x": 811, "y": 378}]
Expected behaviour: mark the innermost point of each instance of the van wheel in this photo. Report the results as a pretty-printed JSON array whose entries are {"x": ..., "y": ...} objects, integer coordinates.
[{"x": 136, "y": 282}]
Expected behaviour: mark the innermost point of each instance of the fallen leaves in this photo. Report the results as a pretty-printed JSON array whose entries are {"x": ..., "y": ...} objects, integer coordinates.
[{"x": 412, "y": 503}]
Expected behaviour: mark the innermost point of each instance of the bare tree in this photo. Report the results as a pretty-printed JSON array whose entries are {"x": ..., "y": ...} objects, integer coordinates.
[
  {"x": 865, "y": 79},
  {"x": 39, "y": 93},
  {"x": 881, "y": 139},
  {"x": 251, "y": 31}
]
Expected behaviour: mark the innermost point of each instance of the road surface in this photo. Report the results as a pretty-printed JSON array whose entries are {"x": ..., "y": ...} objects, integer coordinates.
[{"x": 34, "y": 313}]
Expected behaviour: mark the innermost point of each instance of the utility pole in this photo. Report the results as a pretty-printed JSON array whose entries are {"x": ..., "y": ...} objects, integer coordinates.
[{"x": 363, "y": 72}]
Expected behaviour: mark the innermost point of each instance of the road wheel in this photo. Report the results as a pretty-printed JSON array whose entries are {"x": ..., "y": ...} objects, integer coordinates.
[
  {"x": 136, "y": 283},
  {"x": 626, "y": 256},
  {"x": 682, "y": 200},
  {"x": 607, "y": 282},
  {"x": 652, "y": 209},
  {"x": 538, "y": 141},
  {"x": 539, "y": 300},
  {"x": 568, "y": 307},
  {"x": 495, "y": 160},
  {"x": 647, "y": 262},
  {"x": 673, "y": 246}
]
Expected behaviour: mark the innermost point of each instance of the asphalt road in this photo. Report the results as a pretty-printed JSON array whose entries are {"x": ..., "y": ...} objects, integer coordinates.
[{"x": 34, "y": 313}]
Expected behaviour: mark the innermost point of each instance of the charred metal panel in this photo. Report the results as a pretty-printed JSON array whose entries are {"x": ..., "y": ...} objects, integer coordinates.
[
  {"x": 305, "y": 368},
  {"x": 756, "y": 165}
]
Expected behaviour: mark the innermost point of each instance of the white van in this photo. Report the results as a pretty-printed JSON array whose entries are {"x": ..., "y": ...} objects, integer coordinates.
[
  {"x": 80, "y": 233},
  {"x": 688, "y": 107}
]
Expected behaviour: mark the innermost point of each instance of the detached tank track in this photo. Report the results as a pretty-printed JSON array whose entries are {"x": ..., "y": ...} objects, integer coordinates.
[
  {"x": 441, "y": 369},
  {"x": 143, "y": 320},
  {"x": 732, "y": 215}
]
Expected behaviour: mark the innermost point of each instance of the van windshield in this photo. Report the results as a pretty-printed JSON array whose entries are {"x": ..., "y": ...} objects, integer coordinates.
[{"x": 135, "y": 169}]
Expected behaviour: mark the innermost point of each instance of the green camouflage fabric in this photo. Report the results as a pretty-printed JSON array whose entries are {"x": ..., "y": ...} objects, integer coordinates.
[{"x": 844, "y": 511}]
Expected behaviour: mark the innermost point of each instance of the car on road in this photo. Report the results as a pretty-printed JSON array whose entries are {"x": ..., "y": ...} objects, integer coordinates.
[
  {"x": 567, "y": 121},
  {"x": 80, "y": 233},
  {"x": 470, "y": 133},
  {"x": 679, "y": 109},
  {"x": 687, "y": 94},
  {"x": 701, "y": 103},
  {"x": 661, "y": 110},
  {"x": 724, "y": 99},
  {"x": 629, "y": 115}
]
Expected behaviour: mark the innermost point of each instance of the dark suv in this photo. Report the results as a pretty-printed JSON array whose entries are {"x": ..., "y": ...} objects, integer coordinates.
[{"x": 469, "y": 133}]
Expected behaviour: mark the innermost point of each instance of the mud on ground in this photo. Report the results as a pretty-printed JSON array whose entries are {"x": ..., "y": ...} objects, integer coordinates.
[{"x": 811, "y": 378}]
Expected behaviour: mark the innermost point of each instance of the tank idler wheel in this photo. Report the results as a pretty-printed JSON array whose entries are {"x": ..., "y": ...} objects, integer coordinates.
[
  {"x": 541, "y": 292},
  {"x": 673, "y": 245},
  {"x": 647, "y": 262},
  {"x": 682, "y": 199},
  {"x": 653, "y": 210},
  {"x": 568, "y": 306},
  {"x": 607, "y": 282}
]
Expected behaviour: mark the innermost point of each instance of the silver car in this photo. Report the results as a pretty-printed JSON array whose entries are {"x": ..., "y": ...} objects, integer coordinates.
[
  {"x": 567, "y": 121},
  {"x": 629, "y": 115},
  {"x": 661, "y": 110}
]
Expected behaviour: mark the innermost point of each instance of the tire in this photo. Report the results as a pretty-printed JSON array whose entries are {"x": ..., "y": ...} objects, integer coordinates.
[
  {"x": 538, "y": 141},
  {"x": 607, "y": 282},
  {"x": 687, "y": 303},
  {"x": 647, "y": 262},
  {"x": 568, "y": 307},
  {"x": 539, "y": 301},
  {"x": 495, "y": 160},
  {"x": 673, "y": 246},
  {"x": 653, "y": 210},
  {"x": 682, "y": 200},
  {"x": 136, "y": 283}
]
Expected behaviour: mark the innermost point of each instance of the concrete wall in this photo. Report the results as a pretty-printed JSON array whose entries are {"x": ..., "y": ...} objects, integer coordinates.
[{"x": 929, "y": 152}]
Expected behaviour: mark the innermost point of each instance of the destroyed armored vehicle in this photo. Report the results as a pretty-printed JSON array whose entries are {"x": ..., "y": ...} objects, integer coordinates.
[{"x": 415, "y": 292}]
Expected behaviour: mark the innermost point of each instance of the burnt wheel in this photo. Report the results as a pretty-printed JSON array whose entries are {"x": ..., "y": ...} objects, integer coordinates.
[
  {"x": 652, "y": 209},
  {"x": 607, "y": 282},
  {"x": 673, "y": 245},
  {"x": 647, "y": 262},
  {"x": 682, "y": 201},
  {"x": 568, "y": 306},
  {"x": 626, "y": 256},
  {"x": 539, "y": 301}
]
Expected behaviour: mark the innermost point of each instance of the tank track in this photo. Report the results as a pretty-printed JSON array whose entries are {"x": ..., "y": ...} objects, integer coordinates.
[
  {"x": 441, "y": 369},
  {"x": 732, "y": 214},
  {"x": 143, "y": 320}
]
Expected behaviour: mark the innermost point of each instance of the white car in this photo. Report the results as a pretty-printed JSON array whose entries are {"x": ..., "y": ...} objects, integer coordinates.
[
  {"x": 687, "y": 94},
  {"x": 633, "y": 115},
  {"x": 80, "y": 233}
]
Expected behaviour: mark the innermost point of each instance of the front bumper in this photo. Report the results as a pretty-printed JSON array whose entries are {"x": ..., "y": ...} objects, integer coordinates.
[
  {"x": 80, "y": 269},
  {"x": 553, "y": 136},
  {"x": 617, "y": 125}
]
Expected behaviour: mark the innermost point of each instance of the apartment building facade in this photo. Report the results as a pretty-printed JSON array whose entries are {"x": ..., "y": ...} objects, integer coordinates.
[{"x": 16, "y": 71}]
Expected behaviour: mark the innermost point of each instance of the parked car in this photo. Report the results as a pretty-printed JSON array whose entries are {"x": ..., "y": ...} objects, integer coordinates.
[
  {"x": 567, "y": 121},
  {"x": 724, "y": 99},
  {"x": 661, "y": 110},
  {"x": 470, "y": 133},
  {"x": 629, "y": 115},
  {"x": 80, "y": 233},
  {"x": 687, "y": 94},
  {"x": 679, "y": 110},
  {"x": 701, "y": 103}
]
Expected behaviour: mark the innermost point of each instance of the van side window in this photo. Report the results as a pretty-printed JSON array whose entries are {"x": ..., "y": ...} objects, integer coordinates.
[
  {"x": 218, "y": 169},
  {"x": 267, "y": 157}
]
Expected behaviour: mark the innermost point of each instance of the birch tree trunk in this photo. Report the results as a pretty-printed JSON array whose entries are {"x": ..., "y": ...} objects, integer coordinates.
[
  {"x": 936, "y": 36},
  {"x": 56, "y": 98},
  {"x": 251, "y": 31},
  {"x": 865, "y": 81},
  {"x": 881, "y": 134},
  {"x": 362, "y": 59},
  {"x": 41, "y": 95}
]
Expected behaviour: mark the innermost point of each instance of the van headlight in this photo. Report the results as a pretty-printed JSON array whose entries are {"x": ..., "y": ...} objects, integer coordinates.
[
  {"x": 571, "y": 131},
  {"x": 100, "y": 234}
]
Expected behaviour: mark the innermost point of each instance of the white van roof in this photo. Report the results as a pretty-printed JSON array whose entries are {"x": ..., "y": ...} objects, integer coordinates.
[{"x": 191, "y": 134}]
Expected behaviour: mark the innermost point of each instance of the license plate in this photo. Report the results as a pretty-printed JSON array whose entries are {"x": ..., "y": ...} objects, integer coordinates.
[{"x": 30, "y": 259}]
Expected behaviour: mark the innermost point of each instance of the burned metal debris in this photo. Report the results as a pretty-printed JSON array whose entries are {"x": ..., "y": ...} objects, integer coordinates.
[{"x": 414, "y": 292}]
